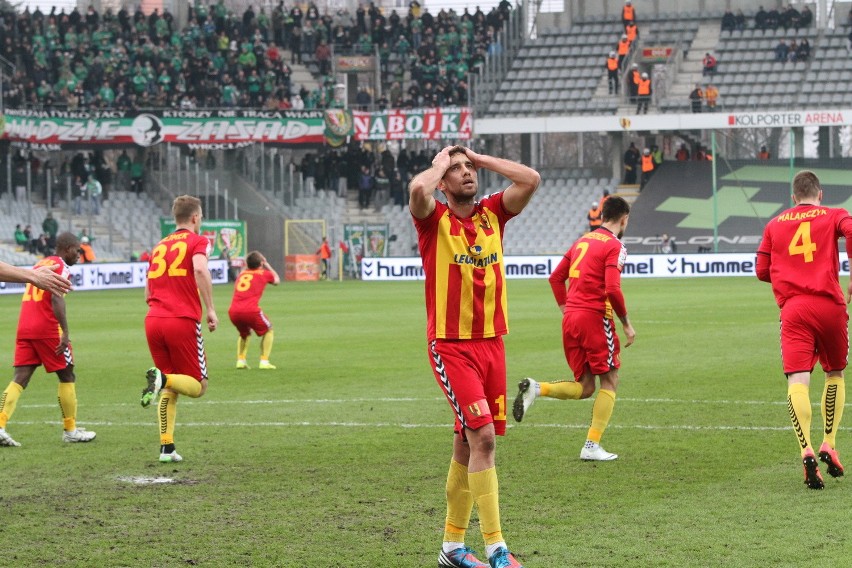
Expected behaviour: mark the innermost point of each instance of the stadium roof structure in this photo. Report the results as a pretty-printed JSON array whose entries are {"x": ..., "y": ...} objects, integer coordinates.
[{"x": 663, "y": 122}]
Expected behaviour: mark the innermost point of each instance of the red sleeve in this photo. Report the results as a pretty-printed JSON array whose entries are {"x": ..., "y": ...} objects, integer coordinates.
[
  {"x": 267, "y": 275},
  {"x": 764, "y": 257},
  {"x": 558, "y": 277},
  {"x": 199, "y": 246},
  {"x": 845, "y": 227},
  {"x": 612, "y": 277},
  {"x": 761, "y": 266}
]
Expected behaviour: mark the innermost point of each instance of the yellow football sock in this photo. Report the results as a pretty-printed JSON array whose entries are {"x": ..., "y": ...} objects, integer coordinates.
[
  {"x": 266, "y": 345},
  {"x": 68, "y": 405},
  {"x": 601, "y": 413},
  {"x": 166, "y": 417},
  {"x": 833, "y": 399},
  {"x": 459, "y": 503},
  {"x": 483, "y": 489},
  {"x": 563, "y": 390},
  {"x": 242, "y": 348},
  {"x": 183, "y": 384},
  {"x": 8, "y": 402},
  {"x": 799, "y": 405}
]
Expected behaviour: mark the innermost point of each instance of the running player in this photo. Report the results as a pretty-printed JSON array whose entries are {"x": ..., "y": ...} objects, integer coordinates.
[
  {"x": 245, "y": 313},
  {"x": 461, "y": 244},
  {"x": 799, "y": 256},
  {"x": 592, "y": 267},
  {"x": 178, "y": 281},
  {"x": 43, "y": 339}
]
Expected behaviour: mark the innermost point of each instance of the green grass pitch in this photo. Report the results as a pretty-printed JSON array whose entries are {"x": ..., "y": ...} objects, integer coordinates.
[{"x": 338, "y": 458}]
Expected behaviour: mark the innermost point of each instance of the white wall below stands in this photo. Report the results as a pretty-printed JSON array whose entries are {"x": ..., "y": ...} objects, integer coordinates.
[
  {"x": 108, "y": 276},
  {"x": 637, "y": 266}
]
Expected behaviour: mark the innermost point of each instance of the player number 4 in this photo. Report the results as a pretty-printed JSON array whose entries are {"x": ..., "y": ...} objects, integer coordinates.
[{"x": 801, "y": 242}]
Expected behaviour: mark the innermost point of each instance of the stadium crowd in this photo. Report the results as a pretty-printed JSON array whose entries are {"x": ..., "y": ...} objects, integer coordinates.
[{"x": 220, "y": 59}]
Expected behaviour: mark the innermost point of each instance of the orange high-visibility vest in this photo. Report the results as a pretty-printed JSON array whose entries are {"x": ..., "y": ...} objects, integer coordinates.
[
  {"x": 648, "y": 163},
  {"x": 627, "y": 13},
  {"x": 644, "y": 87},
  {"x": 594, "y": 218},
  {"x": 630, "y": 30},
  {"x": 623, "y": 46},
  {"x": 612, "y": 63},
  {"x": 637, "y": 76}
]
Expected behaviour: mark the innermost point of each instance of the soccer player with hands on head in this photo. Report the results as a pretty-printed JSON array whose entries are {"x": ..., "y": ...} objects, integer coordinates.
[
  {"x": 592, "y": 267},
  {"x": 799, "y": 256},
  {"x": 461, "y": 245},
  {"x": 178, "y": 281},
  {"x": 43, "y": 339},
  {"x": 245, "y": 313}
]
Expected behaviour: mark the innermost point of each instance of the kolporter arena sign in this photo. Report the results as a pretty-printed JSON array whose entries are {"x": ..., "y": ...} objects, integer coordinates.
[{"x": 637, "y": 266}]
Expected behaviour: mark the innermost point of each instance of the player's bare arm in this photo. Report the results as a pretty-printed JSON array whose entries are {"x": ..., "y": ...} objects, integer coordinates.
[
  {"x": 42, "y": 277},
  {"x": 205, "y": 289},
  {"x": 421, "y": 188},
  {"x": 58, "y": 304},
  {"x": 525, "y": 180},
  {"x": 275, "y": 278},
  {"x": 629, "y": 332}
]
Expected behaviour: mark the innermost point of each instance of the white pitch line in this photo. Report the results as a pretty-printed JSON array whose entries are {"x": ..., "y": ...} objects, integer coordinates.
[
  {"x": 428, "y": 399},
  {"x": 404, "y": 425}
]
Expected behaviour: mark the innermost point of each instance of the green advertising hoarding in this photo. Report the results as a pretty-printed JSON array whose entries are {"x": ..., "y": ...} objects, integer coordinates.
[{"x": 223, "y": 234}]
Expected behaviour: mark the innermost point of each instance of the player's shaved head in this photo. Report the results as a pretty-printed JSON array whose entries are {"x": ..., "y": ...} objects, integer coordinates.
[
  {"x": 614, "y": 208},
  {"x": 806, "y": 185},
  {"x": 254, "y": 260},
  {"x": 66, "y": 241},
  {"x": 184, "y": 207}
]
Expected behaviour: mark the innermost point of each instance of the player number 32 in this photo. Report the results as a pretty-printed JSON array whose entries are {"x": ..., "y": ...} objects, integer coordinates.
[
  {"x": 801, "y": 242},
  {"x": 158, "y": 260}
]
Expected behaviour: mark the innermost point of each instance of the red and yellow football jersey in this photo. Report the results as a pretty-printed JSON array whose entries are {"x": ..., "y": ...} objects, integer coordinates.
[
  {"x": 37, "y": 320},
  {"x": 592, "y": 267},
  {"x": 172, "y": 290},
  {"x": 799, "y": 252},
  {"x": 465, "y": 274},
  {"x": 249, "y": 288}
]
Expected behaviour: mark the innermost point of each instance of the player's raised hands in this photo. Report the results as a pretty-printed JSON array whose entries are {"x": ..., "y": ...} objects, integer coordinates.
[{"x": 442, "y": 161}]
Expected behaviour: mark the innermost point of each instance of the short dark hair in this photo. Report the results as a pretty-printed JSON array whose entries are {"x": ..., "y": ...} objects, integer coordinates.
[
  {"x": 806, "y": 185},
  {"x": 614, "y": 208},
  {"x": 66, "y": 241},
  {"x": 254, "y": 260},
  {"x": 457, "y": 150}
]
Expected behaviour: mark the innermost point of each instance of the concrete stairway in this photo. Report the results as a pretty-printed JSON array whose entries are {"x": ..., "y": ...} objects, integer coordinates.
[{"x": 691, "y": 69}]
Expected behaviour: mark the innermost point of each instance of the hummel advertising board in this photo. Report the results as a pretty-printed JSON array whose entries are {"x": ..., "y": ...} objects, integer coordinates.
[
  {"x": 116, "y": 275},
  {"x": 637, "y": 266}
]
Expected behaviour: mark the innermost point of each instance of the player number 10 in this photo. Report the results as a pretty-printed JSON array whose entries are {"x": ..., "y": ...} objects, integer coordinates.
[{"x": 801, "y": 242}]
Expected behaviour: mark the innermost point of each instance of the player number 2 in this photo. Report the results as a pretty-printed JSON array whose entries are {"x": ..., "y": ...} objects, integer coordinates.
[
  {"x": 801, "y": 242},
  {"x": 158, "y": 260},
  {"x": 583, "y": 248},
  {"x": 244, "y": 283}
]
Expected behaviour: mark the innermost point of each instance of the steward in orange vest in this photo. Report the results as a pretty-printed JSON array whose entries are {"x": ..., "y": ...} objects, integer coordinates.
[
  {"x": 633, "y": 82},
  {"x": 647, "y": 167},
  {"x": 631, "y": 31},
  {"x": 594, "y": 216},
  {"x": 643, "y": 94},
  {"x": 628, "y": 13},
  {"x": 623, "y": 49},
  {"x": 612, "y": 72}
]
